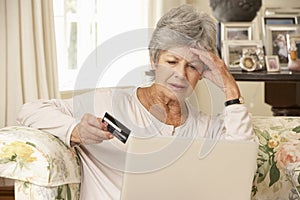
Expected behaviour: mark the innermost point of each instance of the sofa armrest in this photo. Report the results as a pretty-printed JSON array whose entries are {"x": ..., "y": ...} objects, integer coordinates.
[{"x": 37, "y": 157}]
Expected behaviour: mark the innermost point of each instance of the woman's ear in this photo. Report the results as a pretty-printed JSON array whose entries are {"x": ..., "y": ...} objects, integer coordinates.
[{"x": 152, "y": 63}]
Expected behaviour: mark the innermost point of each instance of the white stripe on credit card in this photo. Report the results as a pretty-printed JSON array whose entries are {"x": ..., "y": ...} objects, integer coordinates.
[{"x": 112, "y": 124}]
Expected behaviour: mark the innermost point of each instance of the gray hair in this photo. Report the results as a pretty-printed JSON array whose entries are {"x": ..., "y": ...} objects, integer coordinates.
[{"x": 183, "y": 26}]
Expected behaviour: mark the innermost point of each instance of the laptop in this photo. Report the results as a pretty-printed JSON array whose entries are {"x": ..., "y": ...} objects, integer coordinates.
[{"x": 174, "y": 168}]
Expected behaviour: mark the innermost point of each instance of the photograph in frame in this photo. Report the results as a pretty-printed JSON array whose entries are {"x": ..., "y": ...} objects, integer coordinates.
[
  {"x": 236, "y": 31},
  {"x": 276, "y": 41},
  {"x": 272, "y": 63},
  {"x": 233, "y": 51}
]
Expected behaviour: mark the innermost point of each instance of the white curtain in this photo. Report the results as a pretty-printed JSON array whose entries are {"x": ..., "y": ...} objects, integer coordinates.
[{"x": 28, "y": 67}]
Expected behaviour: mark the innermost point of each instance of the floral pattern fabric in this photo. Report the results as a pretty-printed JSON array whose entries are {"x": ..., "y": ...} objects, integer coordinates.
[
  {"x": 37, "y": 159},
  {"x": 279, "y": 148},
  {"x": 25, "y": 190}
]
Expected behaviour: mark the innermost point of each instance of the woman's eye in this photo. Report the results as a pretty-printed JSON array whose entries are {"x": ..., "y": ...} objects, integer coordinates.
[
  {"x": 171, "y": 62},
  {"x": 193, "y": 67}
]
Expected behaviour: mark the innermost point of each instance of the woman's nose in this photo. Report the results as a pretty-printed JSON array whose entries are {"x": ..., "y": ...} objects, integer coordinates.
[{"x": 180, "y": 70}]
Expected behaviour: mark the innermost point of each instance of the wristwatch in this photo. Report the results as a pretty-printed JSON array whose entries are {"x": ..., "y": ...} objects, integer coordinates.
[{"x": 234, "y": 101}]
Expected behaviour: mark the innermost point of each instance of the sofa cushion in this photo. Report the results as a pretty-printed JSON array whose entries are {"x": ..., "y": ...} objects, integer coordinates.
[
  {"x": 37, "y": 157},
  {"x": 279, "y": 146}
]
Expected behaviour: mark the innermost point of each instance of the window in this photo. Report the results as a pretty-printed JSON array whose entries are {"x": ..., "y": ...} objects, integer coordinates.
[{"x": 82, "y": 25}]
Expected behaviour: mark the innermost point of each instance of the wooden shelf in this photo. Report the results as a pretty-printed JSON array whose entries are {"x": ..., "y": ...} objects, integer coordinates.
[{"x": 265, "y": 76}]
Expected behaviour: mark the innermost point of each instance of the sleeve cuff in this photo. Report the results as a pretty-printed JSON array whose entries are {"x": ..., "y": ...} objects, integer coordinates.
[
  {"x": 235, "y": 108},
  {"x": 69, "y": 133}
]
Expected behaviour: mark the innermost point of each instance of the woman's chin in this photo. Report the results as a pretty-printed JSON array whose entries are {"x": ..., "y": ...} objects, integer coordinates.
[{"x": 175, "y": 93}]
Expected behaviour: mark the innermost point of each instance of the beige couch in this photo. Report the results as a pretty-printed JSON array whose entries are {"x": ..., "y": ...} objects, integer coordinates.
[{"x": 44, "y": 168}]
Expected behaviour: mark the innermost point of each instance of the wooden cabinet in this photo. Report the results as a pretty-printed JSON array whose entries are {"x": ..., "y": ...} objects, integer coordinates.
[
  {"x": 282, "y": 90},
  {"x": 7, "y": 193}
]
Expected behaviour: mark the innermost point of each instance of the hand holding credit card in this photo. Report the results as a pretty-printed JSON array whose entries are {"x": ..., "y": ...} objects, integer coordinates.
[{"x": 118, "y": 129}]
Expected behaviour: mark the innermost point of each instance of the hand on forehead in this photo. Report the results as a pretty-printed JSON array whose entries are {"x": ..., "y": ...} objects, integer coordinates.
[
  {"x": 208, "y": 58},
  {"x": 187, "y": 54}
]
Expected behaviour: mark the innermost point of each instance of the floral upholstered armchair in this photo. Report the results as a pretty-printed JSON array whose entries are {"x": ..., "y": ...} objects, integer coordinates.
[
  {"x": 41, "y": 165},
  {"x": 44, "y": 168}
]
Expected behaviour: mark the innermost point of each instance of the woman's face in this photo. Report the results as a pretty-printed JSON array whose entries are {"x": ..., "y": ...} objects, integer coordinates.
[{"x": 176, "y": 71}]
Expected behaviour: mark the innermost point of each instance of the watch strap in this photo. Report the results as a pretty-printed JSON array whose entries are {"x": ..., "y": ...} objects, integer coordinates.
[{"x": 233, "y": 101}]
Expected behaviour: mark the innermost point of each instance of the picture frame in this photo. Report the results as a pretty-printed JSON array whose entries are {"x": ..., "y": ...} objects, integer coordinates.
[
  {"x": 279, "y": 16},
  {"x": 276, "y": 41},
  {"x": 282, "y": 15},
  {"x": 236, "y": 31},
  {"x": 233, "y": 51},
  {"x": 282, "y": 20},
  {"x": 272, "y": 63},
  {"x": 277, "y": 20}
]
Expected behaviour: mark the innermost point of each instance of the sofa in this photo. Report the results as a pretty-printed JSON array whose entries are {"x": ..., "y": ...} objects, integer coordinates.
[
  {"x": 44, "y": 168},
  {"x": 41, "y": 165}
]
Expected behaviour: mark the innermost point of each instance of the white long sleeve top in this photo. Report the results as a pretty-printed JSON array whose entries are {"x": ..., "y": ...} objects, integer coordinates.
[{"x": 99, "y": 179}]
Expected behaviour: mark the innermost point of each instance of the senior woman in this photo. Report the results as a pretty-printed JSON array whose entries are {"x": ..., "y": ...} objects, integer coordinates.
[{"x": 182, "y": 52}]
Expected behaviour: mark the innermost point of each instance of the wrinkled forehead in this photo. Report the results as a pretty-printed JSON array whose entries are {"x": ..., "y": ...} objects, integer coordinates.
[{"x": 183, "y": 52}]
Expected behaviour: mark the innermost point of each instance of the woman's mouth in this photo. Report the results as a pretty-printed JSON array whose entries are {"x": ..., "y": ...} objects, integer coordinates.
[{"x": 177, "y": 87}]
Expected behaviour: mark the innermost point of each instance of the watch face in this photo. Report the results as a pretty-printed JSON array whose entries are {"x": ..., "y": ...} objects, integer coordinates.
[
  {"x": 242, "y": 101},
  {"x": 247, "y": 63}
]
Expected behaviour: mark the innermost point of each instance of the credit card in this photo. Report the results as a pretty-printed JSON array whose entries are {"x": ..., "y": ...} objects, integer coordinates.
[{"x": 118, "y": 129}]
